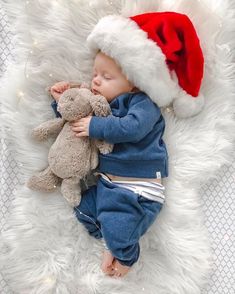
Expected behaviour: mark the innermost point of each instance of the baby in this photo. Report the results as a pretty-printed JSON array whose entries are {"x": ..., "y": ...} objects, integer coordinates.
[
  {"x": 155, "y": 55},
  {"x": 129, "y": 195}
]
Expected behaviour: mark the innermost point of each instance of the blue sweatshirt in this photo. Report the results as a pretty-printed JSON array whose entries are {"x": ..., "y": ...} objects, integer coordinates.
[
  {"x": 135, "y": 127},
  {"x": 54, "y": 107}
]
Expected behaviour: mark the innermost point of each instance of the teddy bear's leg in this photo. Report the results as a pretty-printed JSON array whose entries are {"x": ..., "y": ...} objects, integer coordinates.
[
  {"x": 94, "y": 161},
  {"x": 71, "y": 190},
  {"x": 44, "y": 181}
]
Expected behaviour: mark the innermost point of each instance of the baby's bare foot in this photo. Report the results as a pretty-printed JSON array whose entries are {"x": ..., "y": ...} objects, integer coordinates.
[
  {"x": 119, "y": 270},
  {"x": 107, "y": 263}
]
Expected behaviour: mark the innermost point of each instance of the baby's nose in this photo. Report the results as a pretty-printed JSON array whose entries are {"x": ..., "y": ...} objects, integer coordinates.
[{"x": 96, "y": 81}]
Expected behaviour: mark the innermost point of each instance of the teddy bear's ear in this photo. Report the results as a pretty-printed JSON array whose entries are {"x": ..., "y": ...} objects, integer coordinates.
[{"x": 100, "y": 105}]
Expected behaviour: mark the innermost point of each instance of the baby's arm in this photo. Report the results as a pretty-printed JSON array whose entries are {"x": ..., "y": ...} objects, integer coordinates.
[
  {"x": 58, "y": 89},
  {"x": 81, "y": 127},
  {"x": 138, "y": 122},
  {"x": 143, "y": 114}
]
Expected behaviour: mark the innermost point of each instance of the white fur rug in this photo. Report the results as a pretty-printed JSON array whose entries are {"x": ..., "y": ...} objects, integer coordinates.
[{"x": 44, "y": 249}]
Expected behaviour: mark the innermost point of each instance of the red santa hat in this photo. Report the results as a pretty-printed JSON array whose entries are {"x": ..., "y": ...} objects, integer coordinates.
[{"x": 159, "y": 52}]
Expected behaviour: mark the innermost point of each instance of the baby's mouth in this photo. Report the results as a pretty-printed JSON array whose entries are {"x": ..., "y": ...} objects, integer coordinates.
[{"x": 95, "y": 92}]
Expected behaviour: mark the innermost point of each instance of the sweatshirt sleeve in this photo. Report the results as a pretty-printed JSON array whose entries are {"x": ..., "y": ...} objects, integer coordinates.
[
  {"x": 54, "y": 107},
  {"x": 139, "y": 121}
]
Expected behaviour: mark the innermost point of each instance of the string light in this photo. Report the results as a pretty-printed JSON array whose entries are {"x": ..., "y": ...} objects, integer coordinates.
[
  {"x": 20, "y": 94},
  {"x": 31, "y": 52},
  {"x": 35, "y": 43},
  {"x": 55, "y": 3},
  {"x": 169, "y": 109},
  {"x": 49, "y": 280}
]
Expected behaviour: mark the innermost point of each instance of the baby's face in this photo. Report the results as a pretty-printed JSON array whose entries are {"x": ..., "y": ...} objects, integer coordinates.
[{"x": 108, "y": 79}]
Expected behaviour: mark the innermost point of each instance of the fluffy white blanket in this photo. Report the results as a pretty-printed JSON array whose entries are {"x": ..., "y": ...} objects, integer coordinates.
[{"x": 44, "y": 249}]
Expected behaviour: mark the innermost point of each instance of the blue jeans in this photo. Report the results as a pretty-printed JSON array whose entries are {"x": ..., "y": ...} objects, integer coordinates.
[{"x": 118, "y": 215}]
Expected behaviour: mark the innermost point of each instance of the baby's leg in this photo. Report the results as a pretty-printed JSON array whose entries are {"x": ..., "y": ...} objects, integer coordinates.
[
  {"x": 124, "y": 217},
  {"x": 119, "y": 214},
  {"x": 86, "y": 212}
]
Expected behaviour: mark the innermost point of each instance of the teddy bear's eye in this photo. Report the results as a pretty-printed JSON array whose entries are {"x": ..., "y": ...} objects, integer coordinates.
[{"x": 71, "y": 98}]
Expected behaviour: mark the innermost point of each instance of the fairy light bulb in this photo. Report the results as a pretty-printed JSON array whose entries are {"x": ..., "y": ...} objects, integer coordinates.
[
  {"x": 169, "y": 109},
  {"x": 55, "y": 2},
  {"x": 20, "y": 94},
  {"x": 35, "y": 42},
  {"x": 49, "y": 280}
]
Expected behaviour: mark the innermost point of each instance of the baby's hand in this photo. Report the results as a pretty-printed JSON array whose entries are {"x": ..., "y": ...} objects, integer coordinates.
[
  {"x": 58, "y": 88},
  {"x": 81, "y": 126}
]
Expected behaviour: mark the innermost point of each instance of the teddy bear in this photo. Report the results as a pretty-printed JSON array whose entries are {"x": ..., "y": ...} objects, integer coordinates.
[{"x": 70, "y": 158}]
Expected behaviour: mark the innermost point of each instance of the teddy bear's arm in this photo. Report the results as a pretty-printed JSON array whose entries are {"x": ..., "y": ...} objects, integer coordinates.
[
  {"x": 103, "y": 146},
  {"x": 49, "y": 128},
  {"x": 100, "y": 105}
]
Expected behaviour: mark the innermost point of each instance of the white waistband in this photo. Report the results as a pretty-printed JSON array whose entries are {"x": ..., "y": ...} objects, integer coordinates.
[{"x": 150, "y": 190}]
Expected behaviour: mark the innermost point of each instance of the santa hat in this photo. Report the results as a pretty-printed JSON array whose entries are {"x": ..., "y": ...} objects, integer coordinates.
[{"x": 159, "y": 52}]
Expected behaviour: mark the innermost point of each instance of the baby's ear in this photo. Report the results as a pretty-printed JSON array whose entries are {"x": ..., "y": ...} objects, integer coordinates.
[{"x": 100, "y": 105}]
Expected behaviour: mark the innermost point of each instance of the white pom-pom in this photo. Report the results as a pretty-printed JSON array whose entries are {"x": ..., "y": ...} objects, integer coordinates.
[{"x": 186, "y": 105}]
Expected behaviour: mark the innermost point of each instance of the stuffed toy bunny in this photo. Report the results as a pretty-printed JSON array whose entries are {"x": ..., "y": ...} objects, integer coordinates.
[{"x": 70, "y": 158}]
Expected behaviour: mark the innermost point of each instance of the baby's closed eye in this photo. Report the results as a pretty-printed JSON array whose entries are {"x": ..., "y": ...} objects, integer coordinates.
[{"x": 107, "y": 76}]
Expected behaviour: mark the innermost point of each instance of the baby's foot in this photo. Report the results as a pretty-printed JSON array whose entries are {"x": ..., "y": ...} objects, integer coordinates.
[
  {"x": 107, "y": 263},
  {"x": 119, "y": 270}
]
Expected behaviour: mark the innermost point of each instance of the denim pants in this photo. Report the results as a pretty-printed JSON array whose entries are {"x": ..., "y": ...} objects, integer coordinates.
[{"x": 118, "y": 215}]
